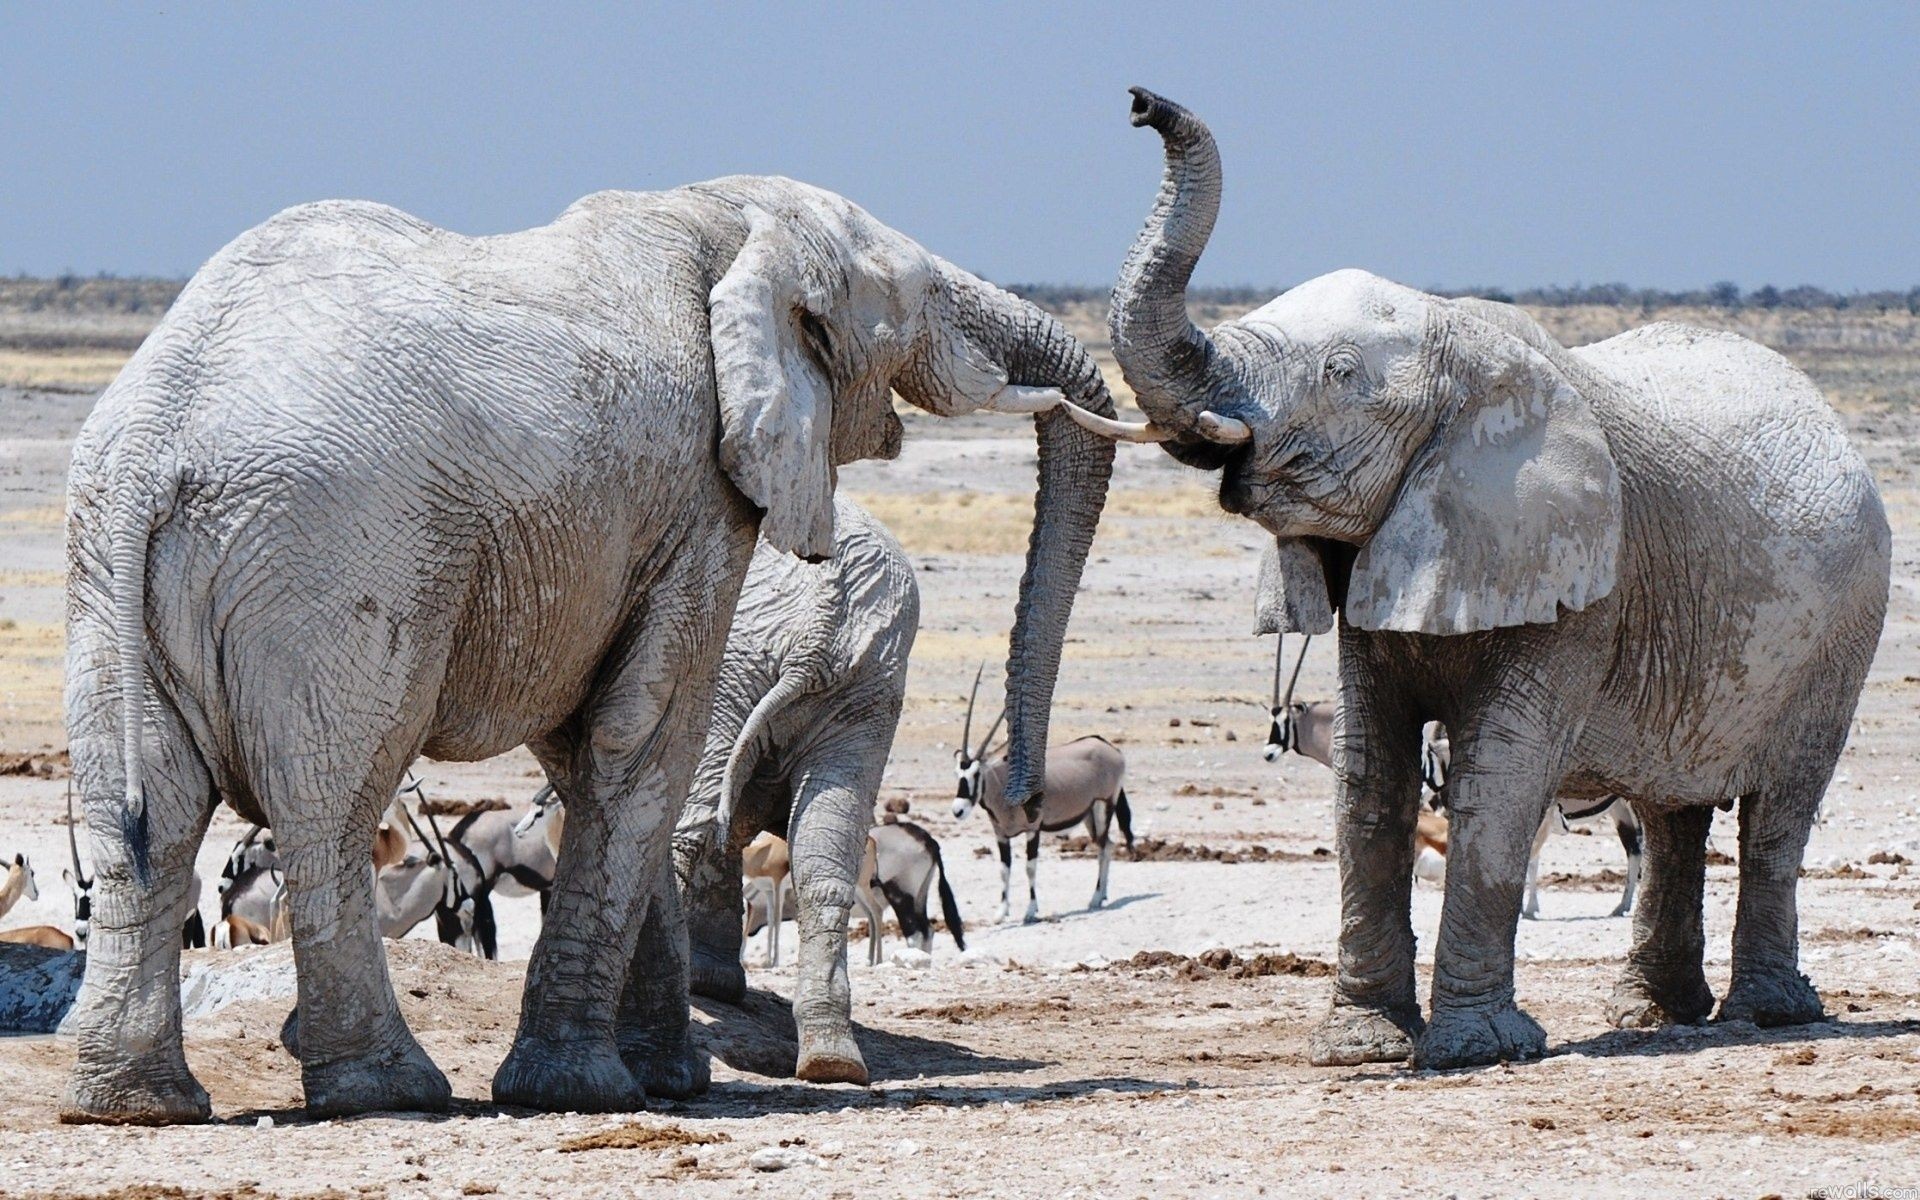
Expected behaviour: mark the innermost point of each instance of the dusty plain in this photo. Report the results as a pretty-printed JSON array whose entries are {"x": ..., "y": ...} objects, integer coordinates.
[{"x": 1093, "y": 1054}]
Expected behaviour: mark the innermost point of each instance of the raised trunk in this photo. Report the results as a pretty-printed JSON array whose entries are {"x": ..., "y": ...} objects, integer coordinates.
[
  {"x": 1173, "y": 367},
  {"x": 1075, "y": 465}
]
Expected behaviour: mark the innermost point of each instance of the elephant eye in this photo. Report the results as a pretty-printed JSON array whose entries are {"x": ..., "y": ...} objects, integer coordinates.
[{"x": 1342, "y": 364}]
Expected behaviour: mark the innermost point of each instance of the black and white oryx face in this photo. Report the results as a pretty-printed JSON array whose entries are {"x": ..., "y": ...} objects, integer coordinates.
[
  {"x": 968, "y": 793},
  {"x": 968, "y": 759},
  {"x": 1284, "y": 733}
]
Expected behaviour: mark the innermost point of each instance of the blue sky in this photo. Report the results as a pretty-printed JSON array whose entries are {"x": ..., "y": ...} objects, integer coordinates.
[{"x": 1508, "y": 144}]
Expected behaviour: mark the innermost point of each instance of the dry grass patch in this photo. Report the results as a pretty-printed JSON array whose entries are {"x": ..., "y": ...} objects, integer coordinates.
[
  {"x": 32, "y": 675},
  {"x": 949, "y": 522},
  {"x": 60, "y": 370},
  {"x": 32, "y": 579}
]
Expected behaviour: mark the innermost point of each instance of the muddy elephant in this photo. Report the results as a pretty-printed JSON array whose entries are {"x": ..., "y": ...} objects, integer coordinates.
[
  {"x": 373, "y": 490},
  {"x": 804, "y": 713},
  {"x": 1652, "y": 567}
]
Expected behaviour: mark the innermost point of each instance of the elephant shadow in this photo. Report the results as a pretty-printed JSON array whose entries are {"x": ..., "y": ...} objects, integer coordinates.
[
  {"x": 1688, "y": 1039},
  {"x": 758, "y": 1036}
]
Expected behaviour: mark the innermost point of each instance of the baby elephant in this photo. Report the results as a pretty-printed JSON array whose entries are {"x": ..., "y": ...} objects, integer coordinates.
[{"x": 804, "y": 713}]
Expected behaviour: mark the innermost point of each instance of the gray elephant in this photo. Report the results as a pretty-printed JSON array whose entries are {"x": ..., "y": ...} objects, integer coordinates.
[
  {"x": 1651, "y": 567},
  {"x": 804, "y": 713},
  {"x": 374, "y": 490}
]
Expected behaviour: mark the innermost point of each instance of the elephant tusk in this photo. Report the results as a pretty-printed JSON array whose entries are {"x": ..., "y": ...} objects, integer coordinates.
[
  {"x": 1021, "y": 399},
  {"x": 1226, "y": 430}
]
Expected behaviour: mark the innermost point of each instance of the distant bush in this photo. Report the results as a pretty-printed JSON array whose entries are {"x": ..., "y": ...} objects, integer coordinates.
[
  {"x": 1724, "y": 295},
  {"x": 87, "y": 294}
]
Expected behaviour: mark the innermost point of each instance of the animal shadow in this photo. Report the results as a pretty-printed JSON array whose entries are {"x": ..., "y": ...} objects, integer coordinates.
[
  {"x": 1687, "y": 1039},
  {"x": 758, "y": 1035}
]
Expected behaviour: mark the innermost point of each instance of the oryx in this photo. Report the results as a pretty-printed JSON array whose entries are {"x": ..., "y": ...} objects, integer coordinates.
[
  {"x": 193, "y": 931},
  {"x": 901, "y": 866},
  {"x": 1085, "y": 781}
]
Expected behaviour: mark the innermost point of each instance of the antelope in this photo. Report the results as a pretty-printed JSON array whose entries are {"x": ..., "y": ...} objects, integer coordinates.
[
  {"x": 20, "y": 882},
  {"x": 37, "y": 935},
  {"x": 1085, "y": 781},
  {"x": 766, "y": 863},
  {"x": 901, "y": 863}
]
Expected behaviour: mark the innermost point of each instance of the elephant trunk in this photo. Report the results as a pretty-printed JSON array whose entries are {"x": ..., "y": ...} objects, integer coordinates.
[
  {"x": 1036, "y": 350},
  {"x": 1175, "y": 370}
]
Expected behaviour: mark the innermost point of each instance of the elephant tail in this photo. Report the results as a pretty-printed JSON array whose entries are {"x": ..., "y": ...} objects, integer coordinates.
[
  {"x": 783, "y": 692},
  {"x": 134, "y": 513}
]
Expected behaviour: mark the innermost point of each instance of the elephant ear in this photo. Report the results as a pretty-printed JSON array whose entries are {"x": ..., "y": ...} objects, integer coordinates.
[
  {"x": 1510, "y": 512},
  {"x": 776, "y": 401},
  {"x": 1292, "y": 596}
]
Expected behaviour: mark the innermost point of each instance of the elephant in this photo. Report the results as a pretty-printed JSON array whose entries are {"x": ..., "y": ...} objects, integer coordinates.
[
  {"x": 804, "y": 712},
  {"x": 1653, "y": 567},
  {"x": 373, "y": 489}
]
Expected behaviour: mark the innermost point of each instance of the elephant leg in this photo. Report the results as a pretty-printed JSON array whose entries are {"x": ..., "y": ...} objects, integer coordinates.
[
  {"x": 125, "y": 1023},
  {"x": 356, "y": 1053},
  {"x": 1374, "y": 1016},
  {"x": 1033, "y": 879},
  {"x": 1664, "y": 982},
  {"x": 1006, "y": 879},
  {"x": 632, "y": 760},
  {"x": 1508, "y": 760},
  {"x": 833, "y": 809},
  {"x": 707, "y": 860},
  {"x": 1768, "y": 988},
  {"x": 653, "y": 1031}
]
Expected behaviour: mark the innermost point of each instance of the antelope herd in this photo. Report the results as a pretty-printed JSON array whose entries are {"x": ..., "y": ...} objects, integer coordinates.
[{"x": 451, "y": 875}]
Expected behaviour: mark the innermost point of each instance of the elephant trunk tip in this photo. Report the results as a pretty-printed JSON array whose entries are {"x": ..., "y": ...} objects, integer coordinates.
[{"x": 1152, "y": 109}]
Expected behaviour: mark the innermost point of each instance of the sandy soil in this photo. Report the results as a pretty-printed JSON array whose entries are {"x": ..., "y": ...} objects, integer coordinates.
[{"x": 1056, "y": 1059}]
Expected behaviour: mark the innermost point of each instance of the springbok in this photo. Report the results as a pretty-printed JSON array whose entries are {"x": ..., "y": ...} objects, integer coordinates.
[
  {"x": 766, "y": 863},
  {"x": 37, "y": 935},
  {"x": 19, "y": 882},
  {"x": 1085, "y": 781}
]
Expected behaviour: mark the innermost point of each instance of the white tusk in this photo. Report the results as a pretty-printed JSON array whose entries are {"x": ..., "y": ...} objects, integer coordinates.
[
  {"x": 1216, "y": 428},
  {"x": 1119, "y": 431},
  {"x": 1022, "y": 399},
  {"x": 1018, "y": 398}
]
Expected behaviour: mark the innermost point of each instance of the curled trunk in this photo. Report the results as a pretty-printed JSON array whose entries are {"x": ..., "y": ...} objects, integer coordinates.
[
  {"x": 1175, "y": 370},
  {"x": 1075, "y": 466}
]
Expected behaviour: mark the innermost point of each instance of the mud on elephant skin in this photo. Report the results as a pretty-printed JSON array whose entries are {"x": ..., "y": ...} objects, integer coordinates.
[
  {"x": 1651, "y": 567},
  {"x": 374, "y": 489},
  {"x": 804, "y": 713}
]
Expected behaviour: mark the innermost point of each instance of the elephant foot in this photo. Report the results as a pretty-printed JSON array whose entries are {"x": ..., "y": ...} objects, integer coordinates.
[
  {"x": 1478, "y": 1036},
  {"x": 124, "y": 1097},
  {"x": 717, "y": 976},
  {"x": 1638, "y": 1003},
  {"x": 830, "y": 1058},
  {"x": 1352, "y": 1034},
  {"x": 402, "y": 1081},
  {"x": 667, "y": 1072},
  {"x": 567, "y": 1076},
  {"x": 1779, "y": 998}
]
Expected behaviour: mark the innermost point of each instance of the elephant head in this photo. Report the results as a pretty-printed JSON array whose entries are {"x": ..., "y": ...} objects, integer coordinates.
[
  {"x": 820, "y": 314},
  {"x": 1425, "y": 465}
]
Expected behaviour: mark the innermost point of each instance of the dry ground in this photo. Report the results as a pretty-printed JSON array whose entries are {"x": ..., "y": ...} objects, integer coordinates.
[{"x": 1049, "y": 1060}]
